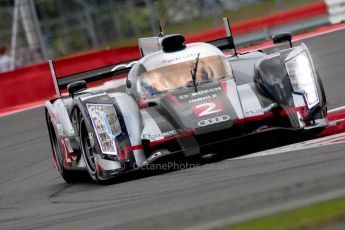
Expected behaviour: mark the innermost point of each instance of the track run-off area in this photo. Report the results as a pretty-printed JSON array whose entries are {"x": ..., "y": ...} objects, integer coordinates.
[{"x": 34, "y": 196}]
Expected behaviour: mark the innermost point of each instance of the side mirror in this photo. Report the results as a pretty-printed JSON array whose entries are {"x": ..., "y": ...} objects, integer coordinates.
[
  {"x": 76, "y": 87},
  {"x": 282, "y": 37}
]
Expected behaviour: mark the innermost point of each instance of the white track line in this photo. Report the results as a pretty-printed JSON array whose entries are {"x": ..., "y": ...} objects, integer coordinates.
[
  {"x": 337, "y": 109},
  {"x": 321, "y": 33},
  {"x": 315, "y": 143},
  {"x": 21, "y": 110}
]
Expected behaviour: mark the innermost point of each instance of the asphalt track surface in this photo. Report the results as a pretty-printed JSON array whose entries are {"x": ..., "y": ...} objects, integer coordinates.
[{"x": 33, "y": 196}]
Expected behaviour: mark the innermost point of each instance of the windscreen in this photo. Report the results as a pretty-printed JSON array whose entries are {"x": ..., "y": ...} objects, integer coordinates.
[{"x": 179, "y": 75}]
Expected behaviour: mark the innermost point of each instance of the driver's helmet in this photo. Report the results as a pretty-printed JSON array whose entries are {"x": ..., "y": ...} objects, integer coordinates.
[{"x": 148, "y": 89}]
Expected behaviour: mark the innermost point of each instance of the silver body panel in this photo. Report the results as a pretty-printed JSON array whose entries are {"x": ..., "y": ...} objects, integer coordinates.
[{"x": 244, "y": 100}]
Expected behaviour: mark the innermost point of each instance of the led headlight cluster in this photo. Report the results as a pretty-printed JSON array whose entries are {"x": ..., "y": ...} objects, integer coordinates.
[
  {"x": 302, "y": 78},
  {"x": 106, "y": 124}
]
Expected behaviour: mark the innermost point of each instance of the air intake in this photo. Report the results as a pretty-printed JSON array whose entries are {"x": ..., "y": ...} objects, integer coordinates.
[{"x": 172, "y": 43}]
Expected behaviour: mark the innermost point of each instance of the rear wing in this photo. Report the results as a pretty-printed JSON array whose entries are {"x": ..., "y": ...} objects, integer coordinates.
[
  {"x": 60, "y": 83},
  {"x": 226, "y": 43},
  {"x": 149, "y": 45}
]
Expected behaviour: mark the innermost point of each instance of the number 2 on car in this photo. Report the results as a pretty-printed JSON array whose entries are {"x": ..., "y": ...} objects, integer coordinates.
[{"x": 208, "y": 108}]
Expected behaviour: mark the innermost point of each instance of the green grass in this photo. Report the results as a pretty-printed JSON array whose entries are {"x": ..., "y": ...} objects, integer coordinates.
[
  {"x": 244, "y": 13},
  {"x": 300, "y": 218}
]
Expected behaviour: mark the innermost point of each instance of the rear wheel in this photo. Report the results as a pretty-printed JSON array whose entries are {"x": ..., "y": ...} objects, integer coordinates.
[{"x": 68, "y": 175}]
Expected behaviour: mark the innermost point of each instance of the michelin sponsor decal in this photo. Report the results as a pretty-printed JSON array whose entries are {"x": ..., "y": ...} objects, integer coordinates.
[{"x": 159, "y": 135}]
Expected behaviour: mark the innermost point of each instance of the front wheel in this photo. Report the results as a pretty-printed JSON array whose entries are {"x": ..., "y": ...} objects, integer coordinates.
[
  {"x": 323, "y": 113},
  {"x": 88, "y": 150}
]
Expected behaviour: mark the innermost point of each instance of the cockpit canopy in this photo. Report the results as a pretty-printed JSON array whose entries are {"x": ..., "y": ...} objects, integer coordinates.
[
  {"x": 172, "y": 77},
  {"x": 160, "y": 72}
]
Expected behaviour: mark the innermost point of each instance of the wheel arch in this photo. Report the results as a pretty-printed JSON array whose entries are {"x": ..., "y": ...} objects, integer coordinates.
[{"x": 106, "y": 164}]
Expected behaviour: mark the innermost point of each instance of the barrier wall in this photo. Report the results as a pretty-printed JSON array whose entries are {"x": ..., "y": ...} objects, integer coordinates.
[
  {"x": 34, "y": 83},
  {"x": 336, "y": 11},
  {"x": 280, "y": 18}
]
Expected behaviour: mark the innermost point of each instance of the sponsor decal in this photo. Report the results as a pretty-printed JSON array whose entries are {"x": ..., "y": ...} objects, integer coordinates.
[
  {"x": 213, "y": 120},
  {"x": 151, "y": 136},
  {"x": 59, "y": 129},
  {"x": 254, "y": 112},
  {"x": 68, "y": 145},
  {"x": 153, "y": 156},
  {"x": 179, "y": 58},
  {"x": 157, "y": 135},
  {"x": 67, "y": 150},
  {"x": 262, "y": 111},
  {"x": 207, "y": 108},
  {"x": 183, "y": 97},
  {"x": 205, "y": 98},
  {"x": 169, "y": 133},
  {"x": 199, "y": 93},
  {"x": 270, "y": 107}
]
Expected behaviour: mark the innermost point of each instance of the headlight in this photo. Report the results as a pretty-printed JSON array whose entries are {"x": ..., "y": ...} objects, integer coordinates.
[
  {"x": 106, "y": 124},
  {"x": 302, "y": 78}
]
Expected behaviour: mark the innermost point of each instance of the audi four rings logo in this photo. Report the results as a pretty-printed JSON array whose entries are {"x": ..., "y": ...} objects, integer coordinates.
[{"x": 214, "y": 120}]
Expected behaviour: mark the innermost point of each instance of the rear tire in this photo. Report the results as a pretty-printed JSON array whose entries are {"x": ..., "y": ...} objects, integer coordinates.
[{"x": 68, "y": 175}]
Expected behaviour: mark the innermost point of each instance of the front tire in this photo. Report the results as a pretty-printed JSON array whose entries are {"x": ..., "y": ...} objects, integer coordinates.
[
  {"x": 88, "y": 150},
  {"x": 323, "y": 94}
]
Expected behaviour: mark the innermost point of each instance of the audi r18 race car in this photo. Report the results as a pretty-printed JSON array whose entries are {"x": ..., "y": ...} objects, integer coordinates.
[{"x": 188, "y": 99}]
